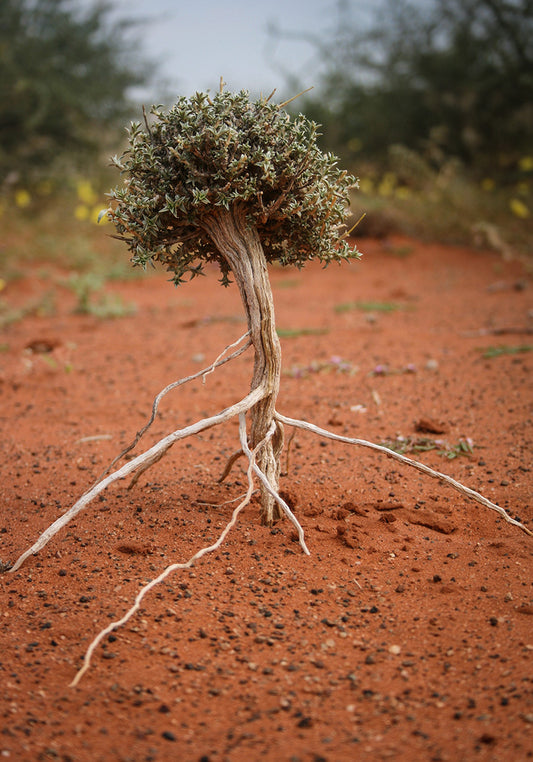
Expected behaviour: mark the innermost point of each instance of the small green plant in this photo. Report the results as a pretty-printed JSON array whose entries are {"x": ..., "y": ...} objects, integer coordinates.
[
  {"x": 41, "y": 307},
  {"x": 335, "y": 364},
  {"x": 110, "y": 306},
  {"x": 426, "y": 444},
  {"x": 369, "y": 307},
  {"x": 293, "y": 333},
  {"x": 85, "y": 285},
  {"x": 490, "y": 352},
  {"x": 288, "y": 283}
]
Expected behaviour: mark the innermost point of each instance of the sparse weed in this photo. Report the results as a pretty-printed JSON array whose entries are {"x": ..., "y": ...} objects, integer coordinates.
[
  {"x": 369, "y": 306},
  {"x": 292, "y": 333},
  {"x": 334, "y": 364},
  {"x": 42, "y": 307},
  {"x": 107, "y": 306},
  {"x": 405, "y": 445},
  {"x": 505, "y": 349},
  {"x": 287, "y": 283},
  {"x": 112, "y": 306}
]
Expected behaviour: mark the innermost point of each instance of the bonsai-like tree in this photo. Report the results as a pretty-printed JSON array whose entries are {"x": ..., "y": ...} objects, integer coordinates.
[
  {"x": 242, "y": 184},
  {"x": 238, "y": 183}
]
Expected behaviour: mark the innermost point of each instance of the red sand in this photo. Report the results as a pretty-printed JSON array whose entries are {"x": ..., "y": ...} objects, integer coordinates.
[{"x": 406, "y": 635}]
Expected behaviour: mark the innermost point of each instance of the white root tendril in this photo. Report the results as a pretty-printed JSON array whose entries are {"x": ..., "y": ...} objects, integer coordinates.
[
  {"x": 290, "y": 515},
  {"x": 143, "y": 461},
  {"x": 408, "y": 461},
  {"x": 187, "y": 564},
  {"x": 220, "y": 360},
  {"x": 152, "y": 455}
]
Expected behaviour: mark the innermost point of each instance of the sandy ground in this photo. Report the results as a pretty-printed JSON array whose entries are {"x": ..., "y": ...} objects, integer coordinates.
[{"x": 408, "y": 632}]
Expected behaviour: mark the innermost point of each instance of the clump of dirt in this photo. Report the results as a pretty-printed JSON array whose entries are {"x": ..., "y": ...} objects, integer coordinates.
[{"x": 408, "y": 632}]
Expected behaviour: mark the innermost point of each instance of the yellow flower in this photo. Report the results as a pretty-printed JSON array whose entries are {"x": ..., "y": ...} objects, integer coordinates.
[
  {"x": 96, "y": 218},
  {"x": 86, "y": 193},
  {"x": 366, "y": 185},
  {"x": 488, "y": 184},
  {"x": 22, "y": 198},
  {"x": 402, "y": 193},
  {"x": 387, "y": 184},
  {"x": 518, "y": 208},
  {"x": 81, "y": 212},
  {"x": 526, "y": 163}
]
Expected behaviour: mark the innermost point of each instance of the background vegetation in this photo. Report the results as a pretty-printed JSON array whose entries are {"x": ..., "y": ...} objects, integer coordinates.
[
  {"x": 67, "y": 71},
  {"x": 430, "y": 106},
  {"x": 65, "y": 74}
]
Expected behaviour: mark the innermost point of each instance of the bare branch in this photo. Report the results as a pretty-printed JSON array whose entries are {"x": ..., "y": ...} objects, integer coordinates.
[
  {"x": 348, "y": 232},
  {"x": 285, "y": 103}
]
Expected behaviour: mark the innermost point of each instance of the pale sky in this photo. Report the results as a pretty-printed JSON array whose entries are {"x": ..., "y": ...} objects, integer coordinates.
[{"x": 195, "y": 42}]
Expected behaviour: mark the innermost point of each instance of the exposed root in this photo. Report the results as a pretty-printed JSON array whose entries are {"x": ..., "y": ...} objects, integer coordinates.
[
  {"x": 288, "y": 452},
  {"x": 408, "y": 461},
  {"x": 187, "y": 564},
  {"x": 149, "y": 463},
  {"x": 272, "y": 440},
  {"x": 220, "y": 360},
  {"x": 219, "y": 505},
  {"x": 141, "y": 461},
  {"x": 229, "y": 465},
  {"x": 279, "y": 500},
  {"x": 156, "y": 452}
]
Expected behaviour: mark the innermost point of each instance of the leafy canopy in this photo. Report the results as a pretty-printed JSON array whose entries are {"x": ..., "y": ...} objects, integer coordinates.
[{"x": 207, "y": 155}]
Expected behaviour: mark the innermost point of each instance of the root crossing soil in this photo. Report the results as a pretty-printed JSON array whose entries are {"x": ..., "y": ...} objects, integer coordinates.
[{"x": 408, "y": 632}]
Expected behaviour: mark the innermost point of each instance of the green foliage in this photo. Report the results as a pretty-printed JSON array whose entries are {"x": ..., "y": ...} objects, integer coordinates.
[
  {"x": 293, "y": 333},
  {"x": 447, "y": 78},
  {"x": 64, "y": 77},
  {"x": 369, "y": 306},
  {"x": 490, "y": 352},
  {"x": 85, "y": 285},
  {"x": 207, "y": 155}
]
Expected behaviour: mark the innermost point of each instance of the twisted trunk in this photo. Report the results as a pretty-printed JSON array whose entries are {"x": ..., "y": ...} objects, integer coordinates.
[{"x": 239, "y": 244}]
